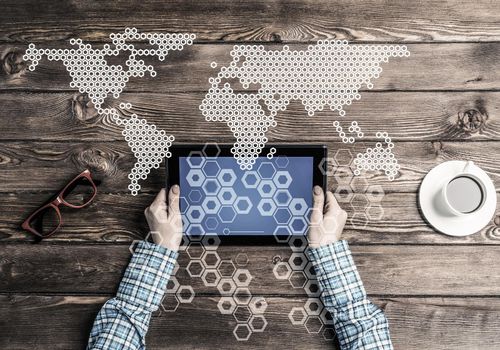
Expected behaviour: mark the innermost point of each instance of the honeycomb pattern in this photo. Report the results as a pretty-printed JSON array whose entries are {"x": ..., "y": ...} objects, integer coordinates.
[
  {"x": 89, "y": 68},
  {"x": 378, "y": 158},
  {"x": 217, "y": 204},
  {"x": 329, "y": 73},
  {"x": 149, "y": 145},
  {"x": 363, "y": 203},
  {"x": 230, "y": 277}
]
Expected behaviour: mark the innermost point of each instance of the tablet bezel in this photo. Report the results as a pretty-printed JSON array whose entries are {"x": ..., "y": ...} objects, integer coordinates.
[{"x": 318, "y": 152}]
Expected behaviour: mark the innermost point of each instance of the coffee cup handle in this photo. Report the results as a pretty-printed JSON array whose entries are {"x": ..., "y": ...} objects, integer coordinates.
[{"x": 468, "y": 165}]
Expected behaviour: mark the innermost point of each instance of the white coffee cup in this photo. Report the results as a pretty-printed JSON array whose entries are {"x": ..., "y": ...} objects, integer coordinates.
[{"x": 462, "y": 194}]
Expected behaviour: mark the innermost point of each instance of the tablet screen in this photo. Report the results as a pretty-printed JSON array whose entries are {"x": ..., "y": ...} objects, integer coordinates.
[{"x": 217, "y": 197}]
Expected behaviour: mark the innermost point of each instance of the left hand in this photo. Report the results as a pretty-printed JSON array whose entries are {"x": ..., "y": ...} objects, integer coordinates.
[{"x": 165, "y": 221}]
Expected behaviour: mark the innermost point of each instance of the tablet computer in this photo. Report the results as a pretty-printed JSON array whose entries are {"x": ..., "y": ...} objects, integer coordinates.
[{"x": 272, "y": 200}]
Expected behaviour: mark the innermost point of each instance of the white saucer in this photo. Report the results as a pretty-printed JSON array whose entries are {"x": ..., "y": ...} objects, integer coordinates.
[{"x": 446, "y": 223}]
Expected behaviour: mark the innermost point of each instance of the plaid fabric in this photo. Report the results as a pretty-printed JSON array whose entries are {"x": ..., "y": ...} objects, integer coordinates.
[
  {"x": 359, "y": 324},
  {"x": 123, "y": 321}
]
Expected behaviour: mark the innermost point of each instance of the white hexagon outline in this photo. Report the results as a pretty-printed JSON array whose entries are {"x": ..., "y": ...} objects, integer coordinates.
[
  {"x": 231, "y": 283},
  {"x": 286, "y": 266},
  {"x": 223, "y": 182},
  {"x": 292, "y": 229},
  {"x": 264, "y": 325},
  {"x": 195, "y": 237},
  {"x": 183, "y": 300},
  {"x": 263, "y": 183},
  {"x": 266, "y": 201},
  {"x": 225, "y": 221},
  {"x": 195, "y": 183},
  {"x": 310, "y": 293},
  {"x": 205, "y": 207},
  {"x": 170, "y": 295},
  {"x": 210, "y": 162},
  {"x": 291, "y": 278},
  {"x": 210, "y": 253},
  {"x": 229, "y": 190},
  {"x": 212, "y": 227},
  {"x": 292, "y": 313},
  {"x": 210, "y": 246},
  {"x": 280, "y": 191},
  {"x": 277, "y": 236},
  {"x": 280, "y": 173},
  {"x": 300, "y": 267},
  {"x": 302, "y": 247},
  {"x": 195, "y": 154},
  {"x": 278, "y": 159},
  {"x": 222, "y": 310},
  {"x": 189, "y": 214},
  {"x": 217, "y": 277},
  {"x": 235, "y": 332},
  {"x": 266, "y": 164},
  {"x": 211, "y": 180},
  {"x": 242, "y": 306},
  {"x": 204, "y": 150},
  {"x": 316, "y": 301},
  {"x": 247, "y": 174},
  {"x": 240, "y": 272},
  {"x": 377, "y": 217},
  {"x": 244, "y": 290},
  {"x": 296, "y": 211},
  {"x": 258, "y": 310},
  {"x": 336, "y": 156},
  {"x": 316, "y": 318},
  {"x": 175, "y": 282},
  {"x": 240, "y": 199},
  {"x": 198, "y": 244},
  {"x": 226, "y": 261},
  {"x": 280, "y": 209},
  {"x": 370, "y": 193},
  {"x": 195, "y": 190}
]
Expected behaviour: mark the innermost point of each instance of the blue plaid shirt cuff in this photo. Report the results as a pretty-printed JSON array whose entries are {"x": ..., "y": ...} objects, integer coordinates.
[
  {"x": 337, "y": 275},
  {"x": 146, "y": 277}
]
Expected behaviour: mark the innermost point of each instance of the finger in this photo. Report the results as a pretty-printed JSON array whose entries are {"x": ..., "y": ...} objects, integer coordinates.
[
  {"x": 332, "y": 205},
  {"x": 318, "y": 203},
  {"x": 160, "y": 199},
  {"x": 173, "y": 200}
]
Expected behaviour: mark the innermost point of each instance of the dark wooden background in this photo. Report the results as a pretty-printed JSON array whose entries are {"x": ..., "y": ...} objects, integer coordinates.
[{"x": 441, "y": 103}]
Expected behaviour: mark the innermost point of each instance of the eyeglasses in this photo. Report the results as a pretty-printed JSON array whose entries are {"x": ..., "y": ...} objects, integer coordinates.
[{"x": 77, "y": 194}]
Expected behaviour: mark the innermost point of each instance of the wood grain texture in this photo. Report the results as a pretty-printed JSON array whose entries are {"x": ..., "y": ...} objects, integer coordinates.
[
  {"x": 385, "y": 269},
  {"x": 120, "y": 219},
  {"x": 450, "y": 66},
  {"x": 416, "y": 323},
  {"x": 257, "y": 20},
  {"x": 27, "y": 165},
  {"x": 439, "y": 104},
  {"x": 406, "y": 116}
]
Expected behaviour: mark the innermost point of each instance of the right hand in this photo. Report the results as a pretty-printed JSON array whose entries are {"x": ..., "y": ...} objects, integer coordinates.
[{"x": 327, "y": 221}]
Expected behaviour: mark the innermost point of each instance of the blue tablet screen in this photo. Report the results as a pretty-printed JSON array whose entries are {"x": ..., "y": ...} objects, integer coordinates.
[{"x": 217, "y": 197}]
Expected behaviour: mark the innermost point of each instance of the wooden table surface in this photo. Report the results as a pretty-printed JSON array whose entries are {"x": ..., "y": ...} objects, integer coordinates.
[{"x": 441, "y": 103}]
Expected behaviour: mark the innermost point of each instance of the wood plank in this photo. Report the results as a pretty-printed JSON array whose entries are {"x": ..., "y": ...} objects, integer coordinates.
[
  {"x": 257, "y": 20},
  {"x": 406, "y": 116},
  {"x": 47, "y": 166},
  {"x": 447, "y": 66},
  {"x": 385, "y": 269},
  {"x": 119, "y": 218},
  {"x": 415, "y": 323}
]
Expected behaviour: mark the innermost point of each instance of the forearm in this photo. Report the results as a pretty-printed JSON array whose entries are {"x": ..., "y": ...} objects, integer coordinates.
[
  {"x": 123, "y": 321},
  {"x": 359, "y": 324}
]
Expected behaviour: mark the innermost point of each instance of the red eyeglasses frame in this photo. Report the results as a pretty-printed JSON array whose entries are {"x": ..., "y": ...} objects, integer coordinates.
[{"x": 55, "y": 203}]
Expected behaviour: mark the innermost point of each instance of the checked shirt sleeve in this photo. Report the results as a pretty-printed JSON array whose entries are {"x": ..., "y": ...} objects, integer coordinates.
[
  {"x": 359, "y": 324},
  {"x": 123, "y": 321}
]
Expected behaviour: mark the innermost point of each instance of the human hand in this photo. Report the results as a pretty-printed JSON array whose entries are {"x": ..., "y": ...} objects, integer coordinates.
[
  {"x": 164, "y": 222},
  {"x": 327, "y": 221}
]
